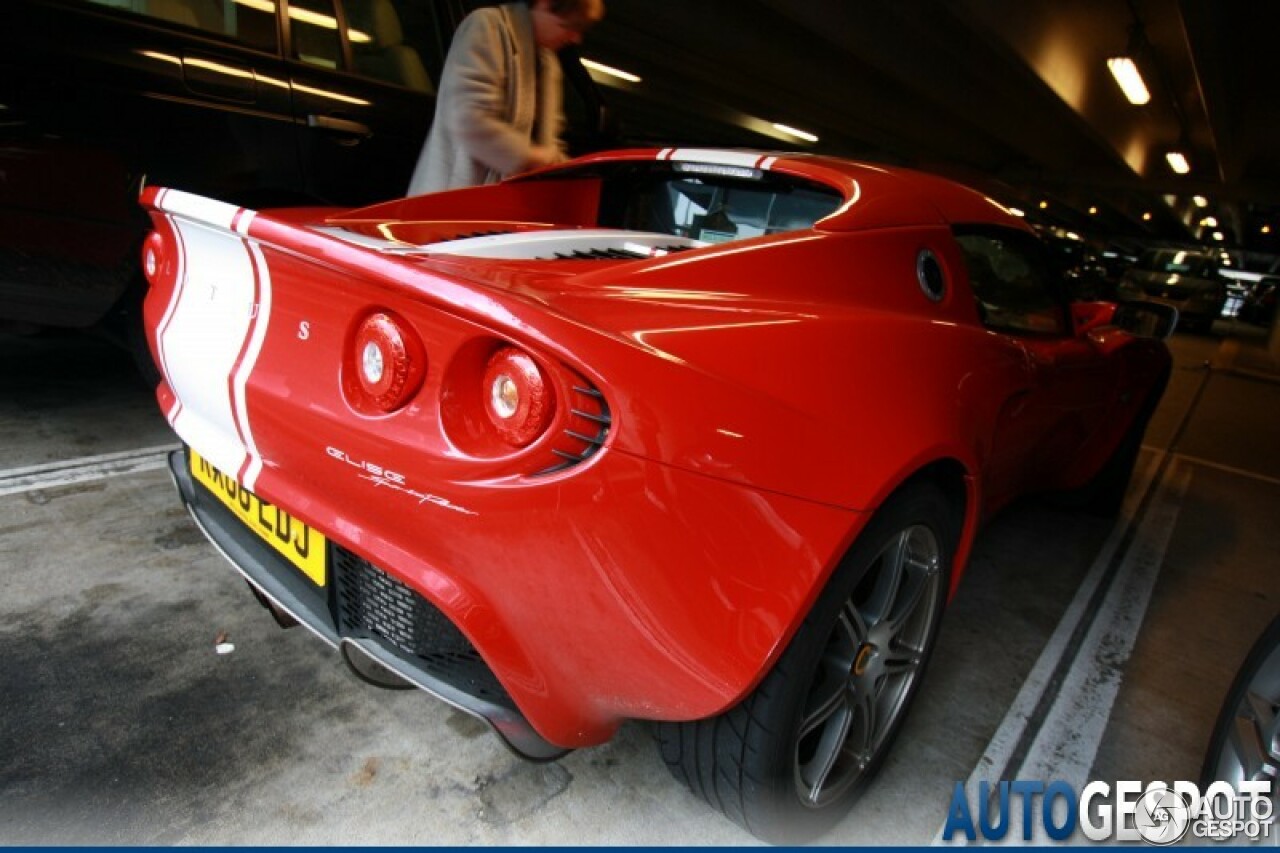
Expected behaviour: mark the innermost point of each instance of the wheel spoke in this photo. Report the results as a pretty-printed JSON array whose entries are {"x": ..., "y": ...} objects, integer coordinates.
[
  {"x": 854, "y": 626},
  {"x": 866, "y": 720},
  {"x": 827, "y": 700},
  {"x": 829, "y": 752},
  {"x": 919, "y": 583},
  {"x": 1264, "y": 711},
  {"x": 900, "y": 663},
  {"x": 888, "y": 580},
  {"x": 1253, "y": 735}
]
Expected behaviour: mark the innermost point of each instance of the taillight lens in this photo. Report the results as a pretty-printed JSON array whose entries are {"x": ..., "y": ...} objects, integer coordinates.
[
  {"x": 518, "y": 398},
  {"x": 154, "y": 255},
  {"x": 387, "y": 360}
]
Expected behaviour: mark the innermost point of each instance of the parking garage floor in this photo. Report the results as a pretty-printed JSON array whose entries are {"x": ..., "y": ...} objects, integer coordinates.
[{"x": 1076, "y": 649}]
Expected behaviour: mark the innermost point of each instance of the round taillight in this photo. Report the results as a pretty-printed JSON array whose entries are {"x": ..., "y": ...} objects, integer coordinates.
[
  {"x": 389, "y": 360},
  {"x": 153, "y": 255},
  {"x": 517, "y": 396}
]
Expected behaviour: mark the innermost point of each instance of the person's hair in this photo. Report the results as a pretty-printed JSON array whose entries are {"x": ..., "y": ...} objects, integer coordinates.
[{"x": 562, "y": 8}]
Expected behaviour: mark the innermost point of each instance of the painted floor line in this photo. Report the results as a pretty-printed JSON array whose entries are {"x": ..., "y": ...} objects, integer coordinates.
[
  {"x": 1218, "y": 466},
  {"x": 82, "y": 470},
  {"x": 1001, "y": 750},
  {"x": 1068, "y": 742},
  {"x": 1009, "y": 747}
]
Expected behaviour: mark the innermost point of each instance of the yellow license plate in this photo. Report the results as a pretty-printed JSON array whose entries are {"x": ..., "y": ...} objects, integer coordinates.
[{"x": 296, "y": 542}]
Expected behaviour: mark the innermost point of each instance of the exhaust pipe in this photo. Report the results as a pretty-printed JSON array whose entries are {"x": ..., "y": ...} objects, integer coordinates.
[{"x": 283, "y": 619}]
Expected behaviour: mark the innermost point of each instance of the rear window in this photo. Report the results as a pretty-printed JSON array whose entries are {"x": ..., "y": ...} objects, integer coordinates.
[
  {"x": 718, "y": 210},
  {"x": 713, "y": 204}
]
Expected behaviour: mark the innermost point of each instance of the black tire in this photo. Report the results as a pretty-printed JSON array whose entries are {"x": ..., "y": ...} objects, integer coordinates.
[
  {"x": 790, "y": 760},
  {"x": 1243, "y": 745}
]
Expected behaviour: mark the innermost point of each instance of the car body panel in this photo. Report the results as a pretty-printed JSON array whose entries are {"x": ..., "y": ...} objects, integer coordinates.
[{"x": 764, "y": 397}]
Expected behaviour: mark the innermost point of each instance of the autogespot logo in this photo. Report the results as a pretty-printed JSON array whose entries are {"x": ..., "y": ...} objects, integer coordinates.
[{"x": 1158, "y": 813}]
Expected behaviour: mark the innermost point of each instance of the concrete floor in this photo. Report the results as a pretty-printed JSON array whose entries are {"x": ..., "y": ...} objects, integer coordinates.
[{"x": 1075, "y": 648}]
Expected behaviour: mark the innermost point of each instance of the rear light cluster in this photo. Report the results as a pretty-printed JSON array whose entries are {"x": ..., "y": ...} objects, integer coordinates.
[
  {"x": 497, "y": 399},
  {"x": 156, "y": 258},
  {"x": 518, "y": 398},
  {"x": 386, "y": 364}
]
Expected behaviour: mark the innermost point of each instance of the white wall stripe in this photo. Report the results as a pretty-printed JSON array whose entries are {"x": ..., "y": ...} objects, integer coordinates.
[{"x": 83, "y": 470}]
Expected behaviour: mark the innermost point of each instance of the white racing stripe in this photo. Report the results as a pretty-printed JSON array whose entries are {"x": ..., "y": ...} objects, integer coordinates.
[
  {"x": 213, "y": 332},
  {"x": 240, "y": 380},
  {"x": 83, "y": 470},
  {"x": 723, "y": 157},
  {"x": 217, "y": 213}
]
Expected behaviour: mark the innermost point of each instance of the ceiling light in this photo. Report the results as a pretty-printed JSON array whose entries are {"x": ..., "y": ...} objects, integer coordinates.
[
  {"x": 1146, "y": 217},
  {"x": 798, "y": 134},
  {"x": 1178, "y": 162},
  {"x": 1125, "y": 70},
  {"x": 1266, "y": 229},
  {"x": 1217, "y": 235},
  {"x": 1209, "y": 222},
  {"x": 1044, "y": 205},
  {"x": 1093, "y": 211},
  {"x": 592, "y": 65},
  {"x": 1200, "y": 201}
]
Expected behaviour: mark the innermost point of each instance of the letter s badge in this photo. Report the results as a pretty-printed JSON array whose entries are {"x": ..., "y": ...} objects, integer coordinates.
[{"x": 304, "y": 330}]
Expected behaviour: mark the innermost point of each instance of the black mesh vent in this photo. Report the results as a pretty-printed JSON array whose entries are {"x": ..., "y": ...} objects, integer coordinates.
[
  {"x": 614, "y": 254},
  {"x": 470, "y": 234},
  {"x": 370, "y": 602}
]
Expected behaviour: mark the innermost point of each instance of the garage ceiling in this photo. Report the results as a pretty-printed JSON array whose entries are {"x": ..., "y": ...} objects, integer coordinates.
[{"x": 1013, "y": 97}]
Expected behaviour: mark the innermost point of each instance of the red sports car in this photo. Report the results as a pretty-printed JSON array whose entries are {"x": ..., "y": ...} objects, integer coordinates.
[{"x": 695, "y": 437}]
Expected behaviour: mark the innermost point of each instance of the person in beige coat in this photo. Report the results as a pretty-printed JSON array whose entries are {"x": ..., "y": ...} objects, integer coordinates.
[{"x": 499, "y": 107}]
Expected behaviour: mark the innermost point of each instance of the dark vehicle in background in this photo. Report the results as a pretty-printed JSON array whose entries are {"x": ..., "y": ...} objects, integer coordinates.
[
  {"x": 1090, "y": 268},
  {"x": 1187, "y": 279},
  {"x": 253, "y": 102},
  {"x": 1258, "y": 305}
]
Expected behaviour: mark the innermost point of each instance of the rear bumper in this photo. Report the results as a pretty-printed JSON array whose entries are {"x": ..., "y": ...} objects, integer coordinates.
[
  {"x": 635, "y": 591},
  {"x": 471, "y": 688}
]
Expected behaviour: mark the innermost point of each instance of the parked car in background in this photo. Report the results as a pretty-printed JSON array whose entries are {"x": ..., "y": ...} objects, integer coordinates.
[
  {"x": 1258, "y": 306},
  {"x": 677, "y": 435},
  {"x": 1187, "y": 279},
  {"x": 254, "y": 102}
]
